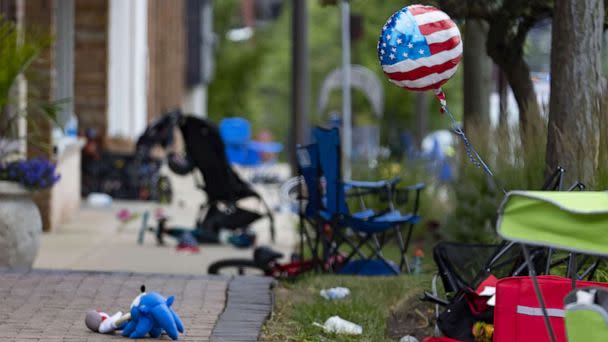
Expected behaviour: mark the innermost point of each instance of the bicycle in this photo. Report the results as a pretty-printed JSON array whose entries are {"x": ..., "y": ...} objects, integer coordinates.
[{"x": 266, "y": 262}]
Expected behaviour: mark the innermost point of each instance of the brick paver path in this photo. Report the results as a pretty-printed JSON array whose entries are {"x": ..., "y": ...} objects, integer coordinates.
[{"x": 50, "y": 305}]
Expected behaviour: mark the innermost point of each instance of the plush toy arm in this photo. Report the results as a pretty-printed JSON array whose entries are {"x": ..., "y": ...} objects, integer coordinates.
[
  {"x": 156, "y": 331},
  {"x": 109, "y": 324},
  {"x": 178, "y": 322},
  {"x": 122, "y": 320},
  {"x": 129, "y": 328},
  {"x": 143, "y": 328}
]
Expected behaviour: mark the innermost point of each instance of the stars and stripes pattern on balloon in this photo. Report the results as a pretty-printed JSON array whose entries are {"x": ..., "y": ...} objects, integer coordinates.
[{"x": 419, "y": 48}]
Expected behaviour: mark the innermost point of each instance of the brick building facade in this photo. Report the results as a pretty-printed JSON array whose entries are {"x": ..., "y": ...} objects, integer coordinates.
[
  {"x": 96, "y": 99},
  {"x": 91, "y": 64},
  {"x": 167, "y": 55}
]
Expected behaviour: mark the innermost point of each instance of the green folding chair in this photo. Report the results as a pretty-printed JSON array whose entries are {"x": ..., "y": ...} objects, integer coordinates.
[{"x": 572, "y": 221}]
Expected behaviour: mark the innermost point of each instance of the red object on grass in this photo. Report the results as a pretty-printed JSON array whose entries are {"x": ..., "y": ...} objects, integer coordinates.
[
  {"x": 518, "y": 315},
  {"x": 440, "y": 339}
]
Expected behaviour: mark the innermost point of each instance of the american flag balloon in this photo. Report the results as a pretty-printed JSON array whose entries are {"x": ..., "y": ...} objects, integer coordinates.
[{"x": 419, "y": 48}]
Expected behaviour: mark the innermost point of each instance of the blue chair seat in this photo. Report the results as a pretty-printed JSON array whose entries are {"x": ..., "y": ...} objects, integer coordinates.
[
  {"x": 371, "y": 185},
  {"x": 365, "y": 214},
  {"x": 362, "y": 215},
  {"x": 365, "y": 221},
  {"x": 381, "y": 223}
]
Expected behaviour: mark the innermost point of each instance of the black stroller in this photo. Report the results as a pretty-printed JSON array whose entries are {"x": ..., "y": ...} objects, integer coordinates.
[
  {"x": 205, "y": 151},
  {"x": 123, "y": 175}
]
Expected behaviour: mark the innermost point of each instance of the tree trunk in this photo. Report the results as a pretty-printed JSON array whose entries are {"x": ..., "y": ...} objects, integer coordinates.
[
  {"x": 574, "y": 120},
  {"x": 518, "y": 76},
  {"x": 503, "y": 94},
  {"x": 477, "y": 80},
  {"x": 506, "y": 50}
]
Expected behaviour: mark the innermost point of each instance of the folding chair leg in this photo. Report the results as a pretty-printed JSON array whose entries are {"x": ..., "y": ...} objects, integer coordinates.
[
  {"x": 403, "y": 259},
  {"x": 406, "y": 246},
  {"x": 572, "y": 269},
  {"x": 377, "y": 252},
  {"x": 378, "y": 244},
  {"x": 539, "y": 294},
  {"x": 590, "y": 272},
  {"x": 408, "y": 269},
  {"x": 356, "y": 249},
  {"x": 409, "y": 237},
  {"x": 548, "y": 265}
]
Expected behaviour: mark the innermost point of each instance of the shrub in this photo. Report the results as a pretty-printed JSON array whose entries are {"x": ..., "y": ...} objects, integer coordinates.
[{"x": 476, "y": 196}]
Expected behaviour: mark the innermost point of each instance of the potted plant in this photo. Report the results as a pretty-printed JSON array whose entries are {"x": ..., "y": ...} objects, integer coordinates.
[{"x": 20, "y": 222}]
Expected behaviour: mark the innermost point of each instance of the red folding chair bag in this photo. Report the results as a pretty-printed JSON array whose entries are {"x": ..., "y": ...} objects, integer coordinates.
[{"x": 518, "y": 315}]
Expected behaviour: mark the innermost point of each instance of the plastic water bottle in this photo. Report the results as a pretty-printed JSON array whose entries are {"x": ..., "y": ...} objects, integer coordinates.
[
  {"x": 337, "y": 325},
  {"x": 71, "y": 127},
  {"x": 418, "y": 255},
  {"x": 335, "y": 293}
]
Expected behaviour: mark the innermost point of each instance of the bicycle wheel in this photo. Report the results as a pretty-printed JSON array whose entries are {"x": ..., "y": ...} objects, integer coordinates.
[{"x": 235, "y": 267}]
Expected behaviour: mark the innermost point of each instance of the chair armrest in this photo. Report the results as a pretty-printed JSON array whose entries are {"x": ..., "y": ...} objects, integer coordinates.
[
  {"x": 416, "y": 187},
  {"x": 372, "y": 185}
]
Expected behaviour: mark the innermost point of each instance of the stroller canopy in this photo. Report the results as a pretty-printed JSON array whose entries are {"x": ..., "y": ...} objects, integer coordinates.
[
  {"x": 574, "y": 221},
  {"x": 206, "y": 151}
]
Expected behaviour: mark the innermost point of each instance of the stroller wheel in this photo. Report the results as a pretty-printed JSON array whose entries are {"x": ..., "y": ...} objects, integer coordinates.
[
  {"x": 236, "y": 267},
  {"x": 242, "y": 240}
]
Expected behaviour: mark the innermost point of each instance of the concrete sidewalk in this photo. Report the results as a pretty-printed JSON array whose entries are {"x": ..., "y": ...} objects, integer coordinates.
[
  {"x": 107, "y": 266},
  {"x": 50, "y": 305},
  {"x": 95, "y": 240}
]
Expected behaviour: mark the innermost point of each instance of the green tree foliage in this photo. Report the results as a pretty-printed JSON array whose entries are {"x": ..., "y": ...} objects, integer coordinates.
[
  {"x": 18, "y": 49},
  {"x": 237, "y": 66},
  {"x": 253, "y": 78}
]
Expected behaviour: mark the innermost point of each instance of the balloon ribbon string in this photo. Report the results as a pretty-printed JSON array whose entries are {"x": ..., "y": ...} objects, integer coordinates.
[{"x": 474, "y": 157}]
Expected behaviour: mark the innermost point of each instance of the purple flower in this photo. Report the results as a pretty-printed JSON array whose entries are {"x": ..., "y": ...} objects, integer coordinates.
[{"x": 34, "y": 174}]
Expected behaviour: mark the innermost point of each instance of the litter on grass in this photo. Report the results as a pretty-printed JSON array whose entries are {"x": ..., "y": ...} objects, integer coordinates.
[
  {"x": 335, "y": 293},
  {"x": 337, "y": 325}
]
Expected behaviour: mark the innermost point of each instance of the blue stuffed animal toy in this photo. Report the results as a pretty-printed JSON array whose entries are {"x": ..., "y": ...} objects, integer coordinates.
[{"x": 151, "y": 314}]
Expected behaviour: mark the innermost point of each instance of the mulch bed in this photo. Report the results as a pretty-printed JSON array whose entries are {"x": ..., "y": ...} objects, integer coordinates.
[{"x": 414, "y": 317}]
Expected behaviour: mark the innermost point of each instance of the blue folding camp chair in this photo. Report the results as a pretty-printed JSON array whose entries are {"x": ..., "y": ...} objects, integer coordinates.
[
  {"x": 366, "y": 228},
  {"x": 240, "y": 148},
  {"x": 311, "y": 234}
]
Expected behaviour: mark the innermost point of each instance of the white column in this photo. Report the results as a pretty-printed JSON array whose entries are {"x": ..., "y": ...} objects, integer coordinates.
[
  {"x": 127, "y": 68},
  {"x": 196, "y": 101}
]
